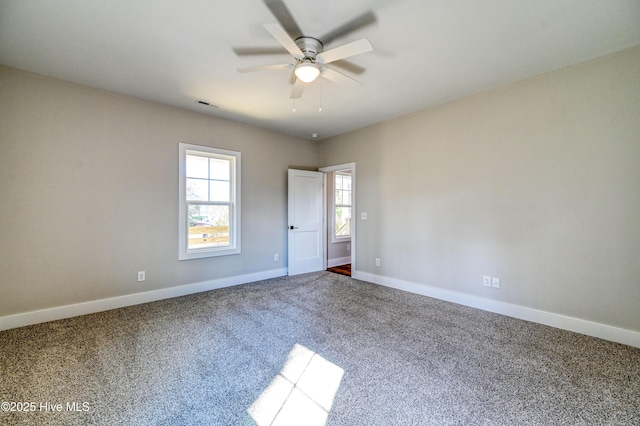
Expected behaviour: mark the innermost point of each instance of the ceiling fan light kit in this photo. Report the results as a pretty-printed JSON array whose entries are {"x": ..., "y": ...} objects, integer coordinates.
[{"x": 307, "y": 71}]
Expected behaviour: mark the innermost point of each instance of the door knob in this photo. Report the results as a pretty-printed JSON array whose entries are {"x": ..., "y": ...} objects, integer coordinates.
[{"x": 293, "y": 227}]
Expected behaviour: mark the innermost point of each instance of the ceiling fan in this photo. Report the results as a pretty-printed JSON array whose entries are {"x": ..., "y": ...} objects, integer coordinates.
[{"x": 311, "y": 60}]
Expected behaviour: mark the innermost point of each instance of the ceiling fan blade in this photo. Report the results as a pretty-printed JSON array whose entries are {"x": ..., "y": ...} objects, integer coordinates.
[
  {"x": 298, "y": 88},
  {"x": 252, "y": 51},
  {"x": 345, "y": 51},
  {"x": 264, "y": 68},
  {"x": 284, "y": 39},
  {"x": 282, "y": 14},
  {"x": 349, "y": 66},
  {"x": 353, "y": 25},
  {"x": 336, "y": 76}
]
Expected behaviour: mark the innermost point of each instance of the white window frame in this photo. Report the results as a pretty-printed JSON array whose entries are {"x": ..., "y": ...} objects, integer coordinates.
[
  {"x": 234, "y": 247},
  {"x": 334, "y": 237}
]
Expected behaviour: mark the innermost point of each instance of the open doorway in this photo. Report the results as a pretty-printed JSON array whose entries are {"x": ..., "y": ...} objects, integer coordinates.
[{"x": 340, "y": 211}]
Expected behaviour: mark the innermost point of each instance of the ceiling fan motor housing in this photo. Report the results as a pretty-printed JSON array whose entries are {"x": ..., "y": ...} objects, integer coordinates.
[{"x": 310, "y": 47}]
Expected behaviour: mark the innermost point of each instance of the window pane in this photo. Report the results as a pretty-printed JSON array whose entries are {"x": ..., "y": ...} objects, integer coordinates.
[
  {"x": 346, "y": 182},
  {"x": 343, "y": 221},
  {"x": 208, "y": 226},
  {"x": 220, "y": 169},
  {"x": 338, "y": 196},
  {"x": 338, "y": 181},
  {"x": 197, "y": 167},
  {"x": 346, "y": 197},
  {"x": 197, "y": 189},
  {"x": 219, "y": 191}
]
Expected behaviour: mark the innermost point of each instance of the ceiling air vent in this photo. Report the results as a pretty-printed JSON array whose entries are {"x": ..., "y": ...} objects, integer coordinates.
[{"x": 209, "y": 104}]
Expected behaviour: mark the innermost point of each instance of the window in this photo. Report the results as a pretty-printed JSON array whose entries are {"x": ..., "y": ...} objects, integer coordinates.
[
  {"x": 209, "y": 216},
  {"x": 342, "y": 206}
]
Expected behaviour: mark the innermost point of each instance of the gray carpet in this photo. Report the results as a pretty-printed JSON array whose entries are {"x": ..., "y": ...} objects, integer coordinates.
[{"x": 393, "y": 358}]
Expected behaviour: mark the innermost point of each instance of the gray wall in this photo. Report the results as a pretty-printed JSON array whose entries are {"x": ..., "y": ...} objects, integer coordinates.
[
  {"x": 88, "y": 190},
  {"x": 537, "y": 183}
]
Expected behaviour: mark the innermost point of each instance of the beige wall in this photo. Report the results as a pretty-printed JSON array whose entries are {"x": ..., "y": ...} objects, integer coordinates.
[
  {"x": 537, "y": 183},
  {"x": 88, "y": 190}
]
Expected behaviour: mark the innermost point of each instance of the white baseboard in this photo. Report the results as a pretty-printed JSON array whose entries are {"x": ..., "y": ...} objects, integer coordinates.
[
  {"x": 338, "y": 261},
  {"x": 590, "y": 328},
  {"x": 68, "y": 311},
  {"x": 603, "y": 331}
]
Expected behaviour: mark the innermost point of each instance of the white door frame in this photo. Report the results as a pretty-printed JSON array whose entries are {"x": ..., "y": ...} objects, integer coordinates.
[{"x": 337, "y": 168}]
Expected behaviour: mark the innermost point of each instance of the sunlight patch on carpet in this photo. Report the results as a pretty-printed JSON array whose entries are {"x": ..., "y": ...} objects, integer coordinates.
[{"x": 302, "y": 393}]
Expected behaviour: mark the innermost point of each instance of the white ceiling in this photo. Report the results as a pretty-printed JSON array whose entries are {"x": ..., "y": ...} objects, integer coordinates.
[{"x": 426, "y": 52}]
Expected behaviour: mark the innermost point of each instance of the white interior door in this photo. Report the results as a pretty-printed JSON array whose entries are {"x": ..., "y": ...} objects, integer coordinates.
[{"x": 306, "y": 212}]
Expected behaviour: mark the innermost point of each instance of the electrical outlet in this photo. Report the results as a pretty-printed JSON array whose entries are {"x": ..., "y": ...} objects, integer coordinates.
[
  {"x": 276, "y": 257},
  {"x": 496, "y": 282},
  {"x": 141, "y": 276},
  {"x": 378, "y": 262},
  {"x": 486, "y": 280}
]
